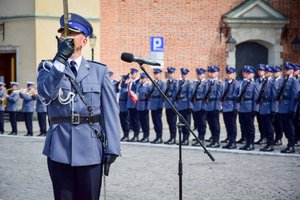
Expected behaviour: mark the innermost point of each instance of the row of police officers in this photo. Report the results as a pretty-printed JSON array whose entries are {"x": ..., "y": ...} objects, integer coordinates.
[
  {"x": 273, "y": 98},
  {"x": 9, "y": 102}
]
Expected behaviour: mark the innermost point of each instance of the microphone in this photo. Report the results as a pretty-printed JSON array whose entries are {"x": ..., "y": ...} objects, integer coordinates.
[{"x": 129, "y": 57}]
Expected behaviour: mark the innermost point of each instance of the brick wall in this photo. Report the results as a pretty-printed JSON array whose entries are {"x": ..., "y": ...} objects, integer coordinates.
[{"x": 190, "y": 29}]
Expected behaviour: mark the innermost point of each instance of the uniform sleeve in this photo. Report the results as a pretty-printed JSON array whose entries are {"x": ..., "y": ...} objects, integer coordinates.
[
  {"x": 13, "y": 98},
  {"x": 294, "y": 95},
  {"x": 110, "y": 112},
  {"x": 255, "y": 96}
]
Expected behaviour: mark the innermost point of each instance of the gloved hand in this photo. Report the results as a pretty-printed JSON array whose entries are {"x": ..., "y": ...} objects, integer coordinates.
[
  {"x": 65, "y": 48},
  {"x": 108, "y": 160}
]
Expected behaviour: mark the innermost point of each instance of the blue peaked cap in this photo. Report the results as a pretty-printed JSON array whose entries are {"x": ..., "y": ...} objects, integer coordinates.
[
  {"x": 143, "y": 75},
  {"x": 110, "y": 74},
  {"x": 200, "y": 71},
  {"x": 12, "y": 83},
  {"x": 213, "y": 68},
  {"x": 77, "y": 24},
  {"x": 133, "y": 70},
  {"x": 184, "y": 71},
  {"x": 261, "y": 67},
  {"x": 229, "y": 70},
  {"x": 2, "y": 83},
  {"x": 288, "y": 65},
  {"x": 296, "y": 67},
  {"x": 249, "y": 69},
  {"x": 269, "y": 68},
  {"x": 156, "y": 70},
  {"x": 171, "y": 70},
  {"x": 277, "y": 69}
]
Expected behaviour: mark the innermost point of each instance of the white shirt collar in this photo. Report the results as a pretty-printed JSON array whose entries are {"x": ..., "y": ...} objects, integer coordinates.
[{"x": 78, "y": 62}]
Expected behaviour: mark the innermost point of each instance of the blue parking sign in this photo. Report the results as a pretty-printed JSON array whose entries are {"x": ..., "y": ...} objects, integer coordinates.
[{"x": 157, "y": 44}]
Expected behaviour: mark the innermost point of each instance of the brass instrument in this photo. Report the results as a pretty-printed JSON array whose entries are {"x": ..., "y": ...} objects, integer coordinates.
[{"x": 3, "y": 99}]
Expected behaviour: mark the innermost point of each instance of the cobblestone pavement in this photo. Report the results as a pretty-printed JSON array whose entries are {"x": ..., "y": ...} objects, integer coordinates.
[{"x": 149, "y": 172}]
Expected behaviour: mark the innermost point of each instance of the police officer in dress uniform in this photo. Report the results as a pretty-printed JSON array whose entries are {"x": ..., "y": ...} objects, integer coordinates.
[
  {"x": 265, "y": 103},
  {"x": 41, "y": 110},
  {"x": 124, "y": 114},
  {"x": 29, "y": 97},
  {"x": 183, "y": 102},
  {"x": 276, "y": 122},
  {"x": 156, "y": 105},
  {"x": 170, "y": 92},
  {"x": 2, "y": 98},
  {"x": 75, "y": 144},
  {"x": 286, "y": 97},
  {"x": 113, "y": 81},
  {"x": 297, "y": 115},
  {"x": 131, "y": 104},
  {"x": 198, "y": 105},
  {"x": 259, "y": 81},
  {"x": 12, "y": 107},
  {"x": 212, "y": 100},
  {"x": 228, "y": 99},
  {"x": 246, "y": 107},
  {"x": 142, "y": 106}
]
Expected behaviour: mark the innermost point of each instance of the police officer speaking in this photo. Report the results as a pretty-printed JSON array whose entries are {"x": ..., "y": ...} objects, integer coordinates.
[{"x": 84, "y": 131}]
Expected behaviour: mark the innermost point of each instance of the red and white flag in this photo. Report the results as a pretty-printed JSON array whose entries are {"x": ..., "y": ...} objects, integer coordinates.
[{"x": 133, "y": 96}]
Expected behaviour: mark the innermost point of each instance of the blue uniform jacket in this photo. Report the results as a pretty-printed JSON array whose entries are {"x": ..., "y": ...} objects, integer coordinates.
[
  {"x": 143, "y": 92},
  {"x": 28, "y": 102},
  {"x": 288, "y": 102},
  {"x": 133, "y": 86},
  {"x": 229, "y": 102},
  {"x": 156, "y": 100},
  {"x": 172, "y": 84},
  {"x": 12, "y": 102},
  {"x": 2, "y": 97},
  {"x": 267, "y": 103},
  {"x": 276, "y": 84},
  {"x": 214, "y": 98},
  {"x": 123, "y": 97},
  {"x": 40, "y": 104},
  {"x": 198, "y": 100},
  {"x": 78, "y": 145},
  {"x": 247, "y": 103},
  {"x": 183, "y": 96}
]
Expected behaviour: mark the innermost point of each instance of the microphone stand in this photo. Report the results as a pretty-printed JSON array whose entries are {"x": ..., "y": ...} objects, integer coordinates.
[{"x": 182, "y": 123}]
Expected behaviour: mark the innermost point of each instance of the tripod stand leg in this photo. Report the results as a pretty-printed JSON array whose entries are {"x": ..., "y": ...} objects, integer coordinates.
[{"x": 180, "y": 169}]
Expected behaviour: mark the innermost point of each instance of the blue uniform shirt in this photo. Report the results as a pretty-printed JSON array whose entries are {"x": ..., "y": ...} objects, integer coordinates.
[
  {"x": 123, "y": 96},
  {"x": 143, "y": 92},
  {"x": 156, "y": 99},
  {"x": 213, "y": 101},
  {"x": 199, "y": 91},
  {"x": 247, "y": 103},
  {"x": 183, "y": 96},
  {"x": 28, "y": 102},
  {"x": 12, "y": 102},
  {"x": 267, "y": 103},
  {"x": 171, "y": 91},
  {"x": 229, "y": 99},
  {"x": 40, "y": 104},
  {"x": 2, "y": 97}
]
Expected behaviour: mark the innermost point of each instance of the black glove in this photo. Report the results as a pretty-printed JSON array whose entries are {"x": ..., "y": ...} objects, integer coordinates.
[
  {"x": 65, "y": 48},
  {"x": 108, "y": 160}
]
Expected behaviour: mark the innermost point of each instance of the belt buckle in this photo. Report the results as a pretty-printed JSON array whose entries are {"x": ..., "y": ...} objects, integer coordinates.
[{"x": 75, "y": 119}]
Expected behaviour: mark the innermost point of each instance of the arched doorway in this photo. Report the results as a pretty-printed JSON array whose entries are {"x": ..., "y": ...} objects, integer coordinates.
[{"x": 250, "y": 53}]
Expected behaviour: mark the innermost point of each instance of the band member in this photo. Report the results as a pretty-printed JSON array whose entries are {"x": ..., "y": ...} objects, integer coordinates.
[
  {"x": 170, "y": 92},
  {"x": 41, "y": 110},
  {"x": 265, "y": 102},
  {"x": 12, "y": 107},
  {"x": 2, "y": 106},
  {"x": 198, "y": 105},
  {"x": 131, "y": 104},
  {"x": 276, "y": 122},
  {"x": 156, "y": 104},
  {"x": 228, "y": 99},
  {"x": 246, "y": 107},
  {"x": 28, "y": 96},
  {"x": 297, "y": 114},
  {"x": 183, "y": 102},
  {"x": 212, "y": 100},
  {"x": 124, "y": 113},
  {"x": 142, "y": 106},
  {"x": 286, "y": 96}
]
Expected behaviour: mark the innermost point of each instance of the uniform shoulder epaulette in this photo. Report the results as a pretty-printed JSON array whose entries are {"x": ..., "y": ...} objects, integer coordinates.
[
  {"x": 92, "y": 61},
  {"x": 46, "y": 65}
]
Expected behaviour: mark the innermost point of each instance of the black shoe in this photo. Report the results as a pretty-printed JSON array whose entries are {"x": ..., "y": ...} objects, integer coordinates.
[
  {"x": 196, "y": 143},
  {"x": 278, "y": 142},
  {"x": 230, "y": 146},
  {"x": 209, "y": 140},
  {"x": 184, "y": 143},
  {"x": 250, "y": 147},
  {"x": 1, "y": 132},
  {"x": 261, "y": 141},
  {"x": 244, "y": 147},
  {"x": 28, "y": 134},
  {"x": 171, "y": 141},
  {"x": 214, "y": 145},
  {"x": 125, "y": 139},
  {"x": 297, "y": 143},
  {"x": 157, "y": 141},
  {"x": 144, "y": 140},
  {"x": 267, "y": 148},
  {"x": 41, "y": 135},
  {"x": 12, "y": 133},
  {"x": 225, "y": 141},
  {"x": 134, "y": 139},
  {"x": 241, "y": 141},
  {"x": 288, "y": 150}
]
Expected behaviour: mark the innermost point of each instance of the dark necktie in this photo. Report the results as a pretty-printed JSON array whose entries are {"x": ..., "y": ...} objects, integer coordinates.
[{"x": 73, "y": 67}]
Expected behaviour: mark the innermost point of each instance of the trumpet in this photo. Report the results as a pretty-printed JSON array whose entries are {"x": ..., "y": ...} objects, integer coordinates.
[{"x": 3, "y": 99}]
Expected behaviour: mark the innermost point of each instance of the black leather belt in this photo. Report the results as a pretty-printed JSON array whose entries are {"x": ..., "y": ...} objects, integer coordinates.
[
  {"x": 75, "y": 119},
  {"x": 122, "y": 99},
  {"x": 211, "y": 99},
  {"x": 155, "y": 97}
]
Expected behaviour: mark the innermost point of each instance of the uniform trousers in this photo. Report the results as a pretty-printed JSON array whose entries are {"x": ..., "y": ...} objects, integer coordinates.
[
  {"x": 171, "y": 119},
  {"x": 230, "y": 124},
  {"x": 28, "y": 122},
  {"x": 124, "y": 118},
  {"x": 277, "y": 127},
  {"x": 2, "y": 121},
  {"x": 288, "y": 128},
  {"x": 13, "y": 121},
  {"x": 247, "y": 127},
  {"x": 134, "y": 121},
  {"x": 200, "y": 120},
  {"x": 186, "y": 114},
  {"x": 213, "y": 121},
  {"x": 268, "y": 128},
  {"x": 75, "y": 183},
  {"x": 157, "y": 122},
  {"x": 42, "y": 122},
  {"x": 297, "y": 128},
  {"x": 144, "y": 122},
  {"x": 261, "y": 126}
]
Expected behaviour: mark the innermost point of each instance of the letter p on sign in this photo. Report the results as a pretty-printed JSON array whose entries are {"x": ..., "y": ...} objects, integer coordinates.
[{"x": 156, "y": 44}]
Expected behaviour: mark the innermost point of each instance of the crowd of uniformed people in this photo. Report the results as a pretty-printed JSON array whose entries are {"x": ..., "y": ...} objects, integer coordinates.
[{"x": 269, "y": 94}]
